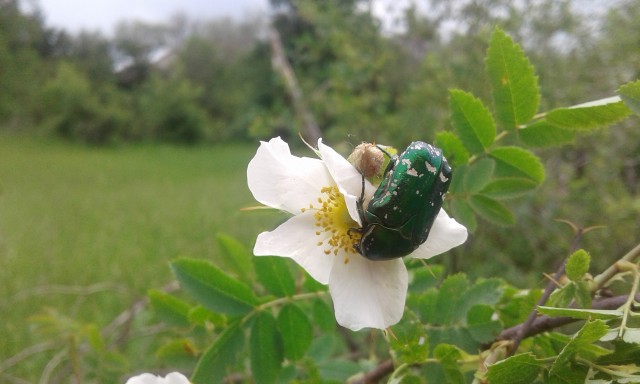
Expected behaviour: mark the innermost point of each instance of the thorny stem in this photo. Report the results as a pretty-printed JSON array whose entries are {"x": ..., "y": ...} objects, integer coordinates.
[
  {"x": 551, "y": 286},
  {"x": 605, "y": 276},
  {"x": 280, "y": 301},
  {"x": 605, "y": 369},
  {"x": 630, "y": 300}
]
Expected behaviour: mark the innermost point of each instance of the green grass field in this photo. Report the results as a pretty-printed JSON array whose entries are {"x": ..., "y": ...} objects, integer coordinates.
[{"x": 87, "y": 231}]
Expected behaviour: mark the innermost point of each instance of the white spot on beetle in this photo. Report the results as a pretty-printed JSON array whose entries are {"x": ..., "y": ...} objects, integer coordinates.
[
  {"x": 430, "y": 167},
  {"x": 412, "y": 172},
  {"x": 406, "y": 162},
  {"x": 443, "y": 178}
]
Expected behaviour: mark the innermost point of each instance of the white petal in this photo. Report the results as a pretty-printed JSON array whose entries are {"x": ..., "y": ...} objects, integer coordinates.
[
  {"x": 347, "y": 177},
  {"x": 296, "y": 239},
  {"x": 446, "y": 233},
  {"x": 283, "y": 181},
  {"x": 368, "y": 294},
  {"x": 147, "y": 378}
]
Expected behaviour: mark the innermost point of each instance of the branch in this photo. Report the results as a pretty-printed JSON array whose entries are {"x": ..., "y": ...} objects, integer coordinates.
[
  {"x": 378, "y": 373},
  {"x": 548, "y": 290},
  {"x": 281, "y": 64},
  {"x": 545, "y": 323}
]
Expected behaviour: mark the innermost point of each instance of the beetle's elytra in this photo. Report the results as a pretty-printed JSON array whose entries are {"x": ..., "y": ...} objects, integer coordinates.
[{"x": 401, "y": 212}]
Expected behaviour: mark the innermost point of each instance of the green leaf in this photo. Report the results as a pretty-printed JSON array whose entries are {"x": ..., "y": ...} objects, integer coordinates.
[
  {"x": 591, "y": 331},
  {"x": 517, "y": 159},
  {"x": 563, "y": 296},
  {"x": 630, "y": 94},
  {"x": 457, "y": 180},
  {"x": 462, "y": 211},
  {"x": 577, "y": 265},
  {"x": 602, "y": 314},
  {"x": 235, "y": 258},
  {"x": 201, "y": 316},
  {"x": 274, "y": 274},
  {"x": 543, "y": 134},
  {"x": 213, "y": 288},
  {"x": 449, "y": 356},
  {"x": 472, "y": 120},
  {"x": 508, "y": 187},
  {"x": 583, "y": 294},
  {"x": 214, "y": 364},
  {"x": 296, "y": 331},
  {"x": 588, "y": 116},
  {"x": 450, "y": 291},
  {"x": 333, "y": 371},
  {"x": 481, "y": 326},
  {"x": 485, "y": 292},
  {"x": 323, "y": 316},
  {"x": 518, "y": 369},
  {"x": 491, "y": 210},
  {"x": 265, "y": 349},
  {"x": 479, "y": 175},
  {"x": 452, "y": 146},
  {"x": 172, "y": 310},
  {"x": 514, "y": 85},
  {"x": 410, "y": 344}
]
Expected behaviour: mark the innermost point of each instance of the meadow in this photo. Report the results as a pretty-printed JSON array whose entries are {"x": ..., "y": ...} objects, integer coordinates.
[{"x": 85, "y": 232}]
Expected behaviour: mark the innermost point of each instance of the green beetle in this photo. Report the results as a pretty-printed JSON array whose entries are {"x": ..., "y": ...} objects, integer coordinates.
[{"x": 401, "y": 212}]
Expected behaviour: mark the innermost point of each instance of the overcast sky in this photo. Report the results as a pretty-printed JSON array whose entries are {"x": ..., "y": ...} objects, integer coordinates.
[{"x": 75, "y": 15}]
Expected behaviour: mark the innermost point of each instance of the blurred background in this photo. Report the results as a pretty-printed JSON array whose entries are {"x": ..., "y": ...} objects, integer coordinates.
[{"x": 126, "y": 128}]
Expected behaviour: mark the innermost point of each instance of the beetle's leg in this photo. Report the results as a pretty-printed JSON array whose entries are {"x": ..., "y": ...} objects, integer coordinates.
[
  {"x": 383, "y": 151},
  {"x": 360, "y": 207}
]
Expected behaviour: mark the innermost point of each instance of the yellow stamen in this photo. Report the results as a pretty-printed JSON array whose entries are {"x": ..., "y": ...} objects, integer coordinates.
[{"x": 333, "y": 220}]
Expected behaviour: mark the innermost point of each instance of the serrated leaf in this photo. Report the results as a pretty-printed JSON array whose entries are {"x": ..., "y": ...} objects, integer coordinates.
[
  {"x": 323, "y": 316},
  {"x": 588, "y": 117},
  {"x": 213, "y": 288},
  {"x": 214, "y": 364},
  {"x": 236, "y": 257},
  {"x": 583, "y": 294},
  {"x": 602, "y": 314},
  {"x": 514, "y": 85},
  {"x": 200, "y": 315},
  {"x": 265, "y": 349},
  {"x": 450, "y": 291},
  {"x": 472, "y": 120},
  {"x": 631, "y": 335},
  {"x": 543, "y": 134},
  {"x": 457, "y": 180},
  {"x": 491, "y": 210},
  {"x": 479, "y": 175},
  {"x": 518, "y": 369},
  {"x": 630, "y": 94},
  {"x": 590, "y": 332},
  {"x": 462, "y": 211},
  {"x": 520, "y": 160},
  {"x": 172, "y": 310},
  {"x": 274, "y": 274},
  {"x": 481, "y": 326},
  {"x": 485, "y": 292},
  {"x": 452, "y": 147},
  {"x": 296, "y": 331},
  {"x": 333, "y": 371},
  {"x": 563, "y": 296},
  {"x": 577, "y": 265},
  {"x": 508, "y": 187},
  {"x": 409, "y": 344},
  {"x": 449, "y": 356}
]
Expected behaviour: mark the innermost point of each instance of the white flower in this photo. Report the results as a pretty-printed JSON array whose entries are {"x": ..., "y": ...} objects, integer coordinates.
[
  {"x": 148, "y": 378},
  {"x": 322, "y": 194}
]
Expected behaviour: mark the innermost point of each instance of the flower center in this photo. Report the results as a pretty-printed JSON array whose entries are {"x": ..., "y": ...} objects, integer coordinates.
[{"x": 332, "y": 218}]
